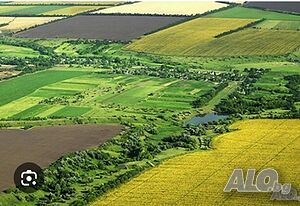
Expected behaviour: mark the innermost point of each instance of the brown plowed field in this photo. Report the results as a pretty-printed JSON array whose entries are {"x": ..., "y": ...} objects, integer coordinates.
[
  {"x": 288, "y": 6},
  {"x": 44, "y": 145},
  {"x": 104, "y": 27}
]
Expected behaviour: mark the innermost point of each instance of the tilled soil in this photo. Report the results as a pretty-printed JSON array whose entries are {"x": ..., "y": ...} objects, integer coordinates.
[
  {"x": 104, "y": 27},
  {"x": 44, "y": 145}
]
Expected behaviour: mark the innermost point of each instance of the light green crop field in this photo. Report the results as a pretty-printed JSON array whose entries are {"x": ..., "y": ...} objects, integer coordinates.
[
  {"x": 296, "y": 53},
  {"x": 88, "y": 94},
  {"x": 70, "y": 112},
  {"x": 221, "y": 95},
  {"x": 153, "y": 92},
  {"x": 52, "y": 43},
  {"x": 71, "y": 49},
  {"x": 287, "y": 68},
  {"x": 47, "y": 92},
  {"x": 184, "y": 39},
  {"x": 18, "y": 105},
  {"x": 29, "y": 10},
  {"x": 32, "y": 111},
  {"x": 279, "y": 25},
  {"x": 12, "y": 9},
  {"x": 250, "y": 13},
  {"x": 274, "y": 79},
  {"x": 33, "y": 82},
  {"x": 80, "y": 49},
  {"x": 17, "y": 51}
]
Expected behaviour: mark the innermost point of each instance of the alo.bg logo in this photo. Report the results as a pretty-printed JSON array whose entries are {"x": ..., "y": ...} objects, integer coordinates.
[{"x": 265, "y": 181}]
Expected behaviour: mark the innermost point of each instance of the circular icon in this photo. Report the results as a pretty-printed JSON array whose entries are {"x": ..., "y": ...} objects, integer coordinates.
[{"x": 29, "y": 177}]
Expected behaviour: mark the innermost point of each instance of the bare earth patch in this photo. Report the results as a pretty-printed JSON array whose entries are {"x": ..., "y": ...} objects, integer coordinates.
[
  {"x": 110, "y": 27},
  {"x": 44, "y": 145},
  {"x": 8, "y": 74}
]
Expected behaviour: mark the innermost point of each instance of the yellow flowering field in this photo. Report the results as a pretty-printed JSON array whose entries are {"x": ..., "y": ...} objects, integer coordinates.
[
  {"x": 185, "y": 38},
  {"x": 199, "y": 178}
]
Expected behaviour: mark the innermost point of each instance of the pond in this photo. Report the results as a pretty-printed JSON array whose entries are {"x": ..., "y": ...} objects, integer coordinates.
[{"x": 205, "y": 119}]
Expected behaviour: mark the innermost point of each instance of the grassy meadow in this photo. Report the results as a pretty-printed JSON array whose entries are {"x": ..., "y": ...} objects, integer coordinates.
[
  {"x": 15, "y": 51},
  {"x": 28, "y": 10},
  {"x": 33, "y": 82},
  {"x": 79, "y": 93},
  {"x": 279, "y": 25}
]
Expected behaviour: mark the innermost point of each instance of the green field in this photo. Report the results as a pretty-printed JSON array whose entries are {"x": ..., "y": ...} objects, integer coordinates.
[
  {"x": 249, "y": 13},
  {"x": 71, "y": 49},
  {"x": 70, "y": 112},
  {"x": 49, "y": 92},
  {"x": 155, "y": 93},
  {"x": 32, "y": 82},
  {"x": 217, "y": 99},
  {"x": 28, "y": 10},
  {"x": 296, "y": 53},
  {"x": 31, "y": 112},
  {"x": 12, "y": 9},
  {"x": 16, "y": 51},
  {"x": 82, "y": 49},
  {"x": 87, "y": 94},
  {"x": 279, "y": 25}
]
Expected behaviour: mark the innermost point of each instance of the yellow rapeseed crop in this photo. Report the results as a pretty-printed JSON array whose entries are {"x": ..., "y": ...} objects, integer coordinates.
[
  {"x": 199, "y": 178},
  {"x": 183, "y": 38},
  {"x": 251, "y": 42}
]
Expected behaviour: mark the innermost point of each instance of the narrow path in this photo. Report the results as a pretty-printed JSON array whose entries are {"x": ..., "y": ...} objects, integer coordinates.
[{"x": 221, "y": 95}]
